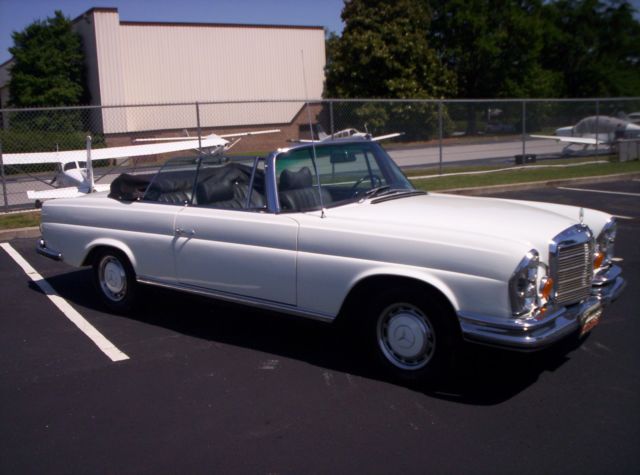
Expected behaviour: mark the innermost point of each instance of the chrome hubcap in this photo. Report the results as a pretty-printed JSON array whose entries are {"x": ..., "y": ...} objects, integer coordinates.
[
  {"x": 406, "y": 336},
  {"x": 113, "y": 279}
]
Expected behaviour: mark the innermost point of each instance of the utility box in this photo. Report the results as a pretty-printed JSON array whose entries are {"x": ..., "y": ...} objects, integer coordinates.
[
  {"x": 628, "y": 149},
  {"x": 526, "y": 158}
]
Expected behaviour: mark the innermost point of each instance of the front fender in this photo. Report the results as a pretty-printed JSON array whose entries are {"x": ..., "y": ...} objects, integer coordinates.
[{"x": 419, "y": 275}]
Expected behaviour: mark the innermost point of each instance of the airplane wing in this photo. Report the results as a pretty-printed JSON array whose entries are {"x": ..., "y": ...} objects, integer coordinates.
[
  {"x": 388, "y": 136},
  {"x": 110, "y": 152},
  {"x": 357, "y": 134},
  {"x": 576, "y": 140},
  {"x": 239, "y": 134},
  {"x": 69, "y": 192}
]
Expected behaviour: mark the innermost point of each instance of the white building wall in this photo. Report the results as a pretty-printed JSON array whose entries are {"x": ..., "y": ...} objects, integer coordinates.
[{"x": 151, "y": 63}]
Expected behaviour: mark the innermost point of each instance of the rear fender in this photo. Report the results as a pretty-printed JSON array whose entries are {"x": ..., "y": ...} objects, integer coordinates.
[{"x": 112, "y": 243}]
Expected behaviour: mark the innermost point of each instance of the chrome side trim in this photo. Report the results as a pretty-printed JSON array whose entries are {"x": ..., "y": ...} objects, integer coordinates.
[
  {"x": 252, "y": 302},
  {"x": 43, "y": 250}
]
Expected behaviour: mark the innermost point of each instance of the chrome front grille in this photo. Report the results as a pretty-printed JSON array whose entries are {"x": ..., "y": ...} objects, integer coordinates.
[{"x": 571, "y": 257}]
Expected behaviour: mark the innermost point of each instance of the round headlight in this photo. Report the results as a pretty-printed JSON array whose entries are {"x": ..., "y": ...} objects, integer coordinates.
[
  {"x": 605, "y": 245},
  {"x": 525, "y": 284}
]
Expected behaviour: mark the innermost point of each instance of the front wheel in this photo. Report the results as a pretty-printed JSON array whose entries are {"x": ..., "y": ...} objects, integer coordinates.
[
  {"x": 114, "y": 279},
  {"x": 413, "y": 334}
]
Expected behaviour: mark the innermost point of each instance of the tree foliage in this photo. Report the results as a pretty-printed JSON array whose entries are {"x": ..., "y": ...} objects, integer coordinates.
[
  {"x": 494, "y": 47},
  {"x": 384, "y": 53},
  {"x": 485, "y": 49},
  {"x": 49, "y": 65},
  {"x": 594, "y": 46}
]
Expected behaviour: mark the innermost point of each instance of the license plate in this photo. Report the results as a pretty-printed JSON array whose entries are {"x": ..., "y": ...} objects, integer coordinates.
[{"x": 590, "y": 319}]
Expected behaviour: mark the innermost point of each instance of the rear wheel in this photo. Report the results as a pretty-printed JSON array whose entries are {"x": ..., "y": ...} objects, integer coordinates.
[
  {"x": 413, "y": 334},
  {"x": 114, "y": 279}
]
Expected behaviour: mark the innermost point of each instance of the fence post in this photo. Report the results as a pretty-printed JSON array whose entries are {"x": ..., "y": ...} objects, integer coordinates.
[
  {"x": 524, "y": 130},
  {"x": 331, "y": 117},
  {"x": 4, "y": 182},
  {"x": 597, "y": 122},
  {"x": 199, "y": 130},
  {"x": 440, "y": 132}
]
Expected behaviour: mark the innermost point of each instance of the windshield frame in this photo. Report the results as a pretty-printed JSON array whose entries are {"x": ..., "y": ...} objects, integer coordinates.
[{"x": 400, "y": 185}]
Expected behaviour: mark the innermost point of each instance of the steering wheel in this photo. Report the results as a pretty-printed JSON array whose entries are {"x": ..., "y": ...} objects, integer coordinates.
[{"x": 375, "y": 182}]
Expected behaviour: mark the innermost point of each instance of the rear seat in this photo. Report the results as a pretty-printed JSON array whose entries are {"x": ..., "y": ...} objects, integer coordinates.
[
  {"x": 228, "y": 191},
  {"x": 171, "y": 188}
]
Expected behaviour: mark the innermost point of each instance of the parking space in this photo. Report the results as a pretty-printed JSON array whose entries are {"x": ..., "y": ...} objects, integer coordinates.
[{"x": 212, "y": 387}]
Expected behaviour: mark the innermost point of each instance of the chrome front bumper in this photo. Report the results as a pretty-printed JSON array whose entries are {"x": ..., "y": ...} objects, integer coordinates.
[
  {"x": 43, "y": 250},
  {"x": 537, "y": 334}
]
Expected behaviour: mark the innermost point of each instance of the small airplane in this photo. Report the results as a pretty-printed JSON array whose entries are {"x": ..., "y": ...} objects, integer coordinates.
[
  {"x": 346, "y": 133},
  {"x": 74, "y": 175},
  {"x": 595, "y": 130}
]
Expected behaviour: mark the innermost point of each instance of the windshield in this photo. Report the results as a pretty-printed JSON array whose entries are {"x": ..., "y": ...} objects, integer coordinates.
[{"x": 347, "y": 172}]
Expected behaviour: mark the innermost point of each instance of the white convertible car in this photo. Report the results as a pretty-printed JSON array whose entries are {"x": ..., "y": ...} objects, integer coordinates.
[{"x": 335, "y": 231}]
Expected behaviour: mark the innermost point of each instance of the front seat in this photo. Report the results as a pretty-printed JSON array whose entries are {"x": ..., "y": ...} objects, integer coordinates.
[{"x": 297, "y": 192}]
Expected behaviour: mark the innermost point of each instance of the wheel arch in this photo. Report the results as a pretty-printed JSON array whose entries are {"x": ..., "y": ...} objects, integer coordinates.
[
  {"x": 374, "y": 283},
  {"x": 94, "y": 248}
]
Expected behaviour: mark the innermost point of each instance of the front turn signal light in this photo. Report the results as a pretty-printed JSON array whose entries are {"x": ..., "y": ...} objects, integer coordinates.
[
  {"x": 546, "y": 288},
  {"x": 598, "y": 259}
]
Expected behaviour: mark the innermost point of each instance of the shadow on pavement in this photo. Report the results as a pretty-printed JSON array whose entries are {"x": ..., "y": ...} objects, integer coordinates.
[{"x": 483, "y": 376}]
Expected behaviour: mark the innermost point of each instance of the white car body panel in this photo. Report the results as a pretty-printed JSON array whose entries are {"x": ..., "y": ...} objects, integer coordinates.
[
  {"x": 254, "y": 264},
  {"x": 472, "y": 254},
  {"x": 207, "y": 230}
]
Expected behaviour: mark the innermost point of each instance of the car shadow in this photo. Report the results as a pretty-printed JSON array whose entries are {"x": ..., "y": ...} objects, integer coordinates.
[{"x": 481, "y": 375}]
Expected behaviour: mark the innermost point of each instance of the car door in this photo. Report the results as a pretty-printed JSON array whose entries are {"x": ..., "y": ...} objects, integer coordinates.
[
  {"x": 226, "y": 242},
  {"x": 237, "y": 252}
]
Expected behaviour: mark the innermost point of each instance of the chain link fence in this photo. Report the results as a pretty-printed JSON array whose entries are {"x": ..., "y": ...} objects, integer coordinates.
[{"x": 435, "y": 133}]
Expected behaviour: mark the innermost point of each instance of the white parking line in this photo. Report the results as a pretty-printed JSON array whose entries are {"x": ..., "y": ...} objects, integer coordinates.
[
  {"x": 94, "y": 335},
  {"x": 599, "y": 191}
]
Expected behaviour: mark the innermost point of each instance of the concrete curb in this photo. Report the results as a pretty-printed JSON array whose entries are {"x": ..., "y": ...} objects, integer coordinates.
[
  {"x": 34, "y": 232},
  {"x": 8, "y": 234}
]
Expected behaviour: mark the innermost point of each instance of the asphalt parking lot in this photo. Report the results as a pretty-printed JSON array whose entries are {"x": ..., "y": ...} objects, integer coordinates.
[{"x": 217, "y": 388}]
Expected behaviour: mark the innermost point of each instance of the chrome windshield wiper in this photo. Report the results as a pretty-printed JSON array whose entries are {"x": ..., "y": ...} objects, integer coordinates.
[
  {"x": 376, "y": 191},
  {"x": 395, "y": 194}
]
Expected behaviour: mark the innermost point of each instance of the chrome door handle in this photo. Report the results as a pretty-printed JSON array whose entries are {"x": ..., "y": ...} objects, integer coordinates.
[{"x": 185, "y": 233}]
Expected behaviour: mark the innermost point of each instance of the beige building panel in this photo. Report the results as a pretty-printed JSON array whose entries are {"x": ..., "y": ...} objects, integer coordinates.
[
  {"x": 209, "y": 63},
  {"x": 176, "y": 117}
]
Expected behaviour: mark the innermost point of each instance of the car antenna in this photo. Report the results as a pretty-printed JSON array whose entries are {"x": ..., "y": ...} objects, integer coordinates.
[{"x": 313, "y": 142}]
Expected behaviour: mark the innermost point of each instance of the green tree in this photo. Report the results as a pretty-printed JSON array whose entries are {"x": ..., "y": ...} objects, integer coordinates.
[
  {"x": 48, "y": 69},
  {"x": 595, "y": 46},
  {"x": 494, "y": 47},
  {"x": 384, "y": 52}
]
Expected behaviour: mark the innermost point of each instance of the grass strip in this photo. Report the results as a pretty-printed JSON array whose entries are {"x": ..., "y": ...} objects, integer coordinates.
[
  {"x": 20, "y": 220},
  {"x": 512, "y": 175}
]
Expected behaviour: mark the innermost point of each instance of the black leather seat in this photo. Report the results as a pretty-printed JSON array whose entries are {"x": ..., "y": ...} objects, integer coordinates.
[
  {"x": 228, "y": 190},
  {"x": 297, "y": 193},
  {"x": 172, "y": 188}
]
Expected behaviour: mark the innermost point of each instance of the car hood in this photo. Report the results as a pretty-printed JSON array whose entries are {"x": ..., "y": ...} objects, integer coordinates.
[{"x": 457, "y": 229}]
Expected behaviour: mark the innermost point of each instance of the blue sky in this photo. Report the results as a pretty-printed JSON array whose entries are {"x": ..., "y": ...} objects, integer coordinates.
[{"x": 15, "y": 15}]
